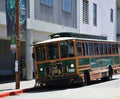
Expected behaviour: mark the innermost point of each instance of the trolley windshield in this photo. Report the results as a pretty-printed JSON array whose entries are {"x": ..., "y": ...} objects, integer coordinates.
[{"x": 54, "y": 50}]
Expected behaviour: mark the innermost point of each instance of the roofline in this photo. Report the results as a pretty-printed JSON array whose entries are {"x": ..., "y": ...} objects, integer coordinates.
[{"x": 71, "y": 38}]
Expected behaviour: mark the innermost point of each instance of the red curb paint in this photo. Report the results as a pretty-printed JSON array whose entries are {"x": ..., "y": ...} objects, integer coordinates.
[
  {"x": 5, "y": 94},
  {"x": 10, "y": 93},
  {"x": 18, "y": 92}
]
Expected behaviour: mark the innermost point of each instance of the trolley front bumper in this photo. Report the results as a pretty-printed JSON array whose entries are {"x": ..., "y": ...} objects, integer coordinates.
[{"x": 60, "y": 80}]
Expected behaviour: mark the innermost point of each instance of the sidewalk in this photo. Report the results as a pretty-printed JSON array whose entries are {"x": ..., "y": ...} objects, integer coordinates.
[{"x": 7, "y": 89}]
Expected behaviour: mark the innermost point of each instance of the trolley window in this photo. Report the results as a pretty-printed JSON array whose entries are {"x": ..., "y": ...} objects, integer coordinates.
[
  {"x": 79, "y": 48},
  {"x": 52, "y": 51},
  {"x": 101, "y": 48},
  {"x": 109, "y": 49},
  {"x": 91, "y": 49},
  {"x": 85, "y": 48},
  {"x": 105, "y": 48},
  {"x": 40, "y": 52},
  {"x": 113, "y": 48},
  {"x": 66, "y": 49},
  {"x": 116, "y": 48},
  {"x": 96, "y": 49}
]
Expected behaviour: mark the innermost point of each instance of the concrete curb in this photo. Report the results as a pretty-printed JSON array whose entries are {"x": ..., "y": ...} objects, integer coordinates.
[{"x": 15, "y": 92}]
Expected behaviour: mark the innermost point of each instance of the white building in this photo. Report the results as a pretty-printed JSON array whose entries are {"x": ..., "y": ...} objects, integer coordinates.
[{"x": 96, "y": 17}]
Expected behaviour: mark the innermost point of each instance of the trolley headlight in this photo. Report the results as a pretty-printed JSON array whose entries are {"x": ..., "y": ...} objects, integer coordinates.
[
  {"x": 41, "y": 69},
  {"x": 72, "y": 66}
]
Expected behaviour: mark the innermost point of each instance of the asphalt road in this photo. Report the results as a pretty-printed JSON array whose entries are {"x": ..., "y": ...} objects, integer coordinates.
[{"x": 96, "y": 90}]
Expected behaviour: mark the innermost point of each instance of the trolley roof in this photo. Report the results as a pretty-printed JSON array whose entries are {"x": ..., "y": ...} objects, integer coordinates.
[
  {"x": 78, "y": 35},
  {"x": 70, "y": 38}
]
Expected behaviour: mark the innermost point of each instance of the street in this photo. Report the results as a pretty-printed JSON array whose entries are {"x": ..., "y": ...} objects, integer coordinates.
[{"x": 96, "y": 90}]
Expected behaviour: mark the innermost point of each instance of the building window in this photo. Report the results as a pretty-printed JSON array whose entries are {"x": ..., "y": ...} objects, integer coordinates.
[
  {"x": 85, "y": 11},
  {"x": 111, "y": 15},
  {"x": 67, "y": 5},
  {"x": 94, "y": 14},
  {"x": 47, "y": 2}
]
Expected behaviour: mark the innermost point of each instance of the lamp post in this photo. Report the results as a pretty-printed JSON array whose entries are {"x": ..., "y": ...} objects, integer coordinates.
[{"x": 17, "y": 62}]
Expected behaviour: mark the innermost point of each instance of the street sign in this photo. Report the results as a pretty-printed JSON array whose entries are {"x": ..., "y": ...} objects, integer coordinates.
[{"x": 16, "y": 66}]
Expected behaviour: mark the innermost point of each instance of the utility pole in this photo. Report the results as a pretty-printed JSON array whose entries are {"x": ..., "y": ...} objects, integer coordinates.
[{"x": 17, "y": 62}]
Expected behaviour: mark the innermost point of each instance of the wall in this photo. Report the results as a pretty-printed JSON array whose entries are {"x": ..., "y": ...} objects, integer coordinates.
[{"x": 55, "y": 14}]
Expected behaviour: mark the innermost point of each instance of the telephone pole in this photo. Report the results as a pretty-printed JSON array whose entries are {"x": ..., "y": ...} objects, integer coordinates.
[{"x": 17, "y": 62}]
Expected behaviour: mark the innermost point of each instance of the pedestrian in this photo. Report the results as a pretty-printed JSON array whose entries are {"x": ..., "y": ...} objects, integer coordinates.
[{"x": 110, "y": 71}]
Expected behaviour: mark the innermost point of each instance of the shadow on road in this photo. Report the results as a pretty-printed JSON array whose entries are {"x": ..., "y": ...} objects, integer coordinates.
[
  {"x": 102, "y": 81},
  {"x": 65, "y": 87}
]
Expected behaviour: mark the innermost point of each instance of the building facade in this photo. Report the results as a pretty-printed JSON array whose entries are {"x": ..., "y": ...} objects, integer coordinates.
[{"x": 96, "y": 17}]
